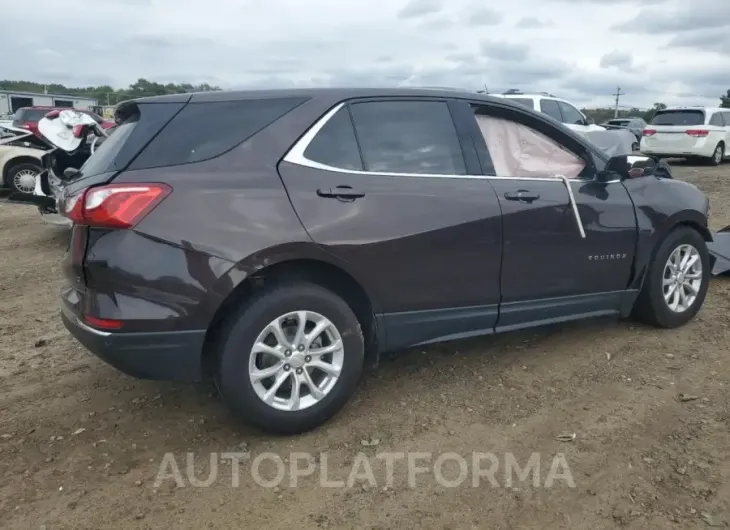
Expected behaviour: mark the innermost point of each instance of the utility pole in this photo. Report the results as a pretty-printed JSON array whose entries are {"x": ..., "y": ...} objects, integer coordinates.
[{"x": 618, "y": 94}]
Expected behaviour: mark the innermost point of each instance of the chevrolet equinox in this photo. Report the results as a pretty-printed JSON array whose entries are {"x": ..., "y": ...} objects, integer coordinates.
[{"x": 279, "y": 241}]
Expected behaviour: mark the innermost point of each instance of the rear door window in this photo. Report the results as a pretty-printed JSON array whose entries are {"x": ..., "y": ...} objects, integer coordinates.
[
  {"x": 716, "y": 120},
  {"x": 550, "y": 107},
  {"x": 679, "y": 117},
  {"x": 417, "y": 137},
  {"x": 206, "y": 130},
  {"x": 335, "y": 144}
]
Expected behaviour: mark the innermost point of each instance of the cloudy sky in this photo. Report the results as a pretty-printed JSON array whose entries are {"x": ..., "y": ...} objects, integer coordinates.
[{"x": 673, "y": 51}]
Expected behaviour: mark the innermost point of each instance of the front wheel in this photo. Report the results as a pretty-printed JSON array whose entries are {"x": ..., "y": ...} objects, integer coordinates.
[
  {"x": 676, "y": 283},
  {"x": 290, "y": 358}
]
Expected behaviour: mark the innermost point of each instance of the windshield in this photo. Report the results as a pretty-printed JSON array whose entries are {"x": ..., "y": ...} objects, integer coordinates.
[
  {"x": 679, "y": 117},
  {"x": 103, "y": 158}
]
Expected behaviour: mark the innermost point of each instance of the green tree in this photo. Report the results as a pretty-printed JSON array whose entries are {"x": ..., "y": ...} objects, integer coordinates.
[
  {"x": 105, "y": 94},
  {"x": 725, "y": 100}
]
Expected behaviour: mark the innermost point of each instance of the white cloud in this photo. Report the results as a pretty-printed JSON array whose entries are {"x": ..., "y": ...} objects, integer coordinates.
[{"x": 580, "y": 49}]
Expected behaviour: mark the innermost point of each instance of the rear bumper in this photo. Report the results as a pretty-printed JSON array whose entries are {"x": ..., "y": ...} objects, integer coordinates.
[
  {"x": 671, "y": 152},
  {"x": 168, "y": 356}
]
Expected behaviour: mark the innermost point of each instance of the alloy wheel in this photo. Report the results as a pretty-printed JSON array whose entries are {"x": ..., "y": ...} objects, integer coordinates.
[
  {"x": 296, "y": 360},
  {"x": 682, "y": 278}
]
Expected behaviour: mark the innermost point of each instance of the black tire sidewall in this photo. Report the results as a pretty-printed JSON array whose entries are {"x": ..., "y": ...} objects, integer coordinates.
[
  {"x": 722, "y": 156},
  {"x": 664, "y": 316},
  {"x": 10, "y": 175},
  {"x": 232, "y": 373}
]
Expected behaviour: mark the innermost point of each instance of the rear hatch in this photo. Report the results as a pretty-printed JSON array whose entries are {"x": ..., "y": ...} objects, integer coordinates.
[{"x": 676, "y": 130}]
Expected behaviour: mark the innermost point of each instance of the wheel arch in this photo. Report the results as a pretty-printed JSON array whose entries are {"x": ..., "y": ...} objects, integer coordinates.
[
  {"x": 16, "y": 160},
  {"x": 328, "y": 273},
  {"x": 687, "y": 218}
]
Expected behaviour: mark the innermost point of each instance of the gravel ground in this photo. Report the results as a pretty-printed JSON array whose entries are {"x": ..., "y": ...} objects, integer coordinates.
[{"x": 82, "y": 445}]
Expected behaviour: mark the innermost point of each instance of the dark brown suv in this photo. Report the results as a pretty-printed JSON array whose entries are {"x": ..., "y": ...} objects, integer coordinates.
[{"x": 281, "y": 240}]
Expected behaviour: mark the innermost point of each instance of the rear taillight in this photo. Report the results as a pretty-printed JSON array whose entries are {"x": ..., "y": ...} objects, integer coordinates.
[
  {"x": 649, "y": 132},
  {"x": 103, "y": 323},
  {"x": 115, "y": 205},
  {"x": 78, "y": 131},
  {"x": 53, "y": 115},
  {"x": 698, "y": 133}
]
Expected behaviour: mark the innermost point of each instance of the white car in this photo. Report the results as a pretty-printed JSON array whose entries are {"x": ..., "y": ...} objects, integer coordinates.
[
  {"x": 688, "y": 132},
  {"x": 560, "y": 109}
]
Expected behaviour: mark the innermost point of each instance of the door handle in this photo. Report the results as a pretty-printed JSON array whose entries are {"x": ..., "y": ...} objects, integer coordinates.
[
  {"x": 340, "y": 192},
  {"x": 521, "y": 195}
]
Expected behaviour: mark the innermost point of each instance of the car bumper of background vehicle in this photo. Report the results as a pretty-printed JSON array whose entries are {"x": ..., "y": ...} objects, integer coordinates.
[{"x": 167, "y": 356}]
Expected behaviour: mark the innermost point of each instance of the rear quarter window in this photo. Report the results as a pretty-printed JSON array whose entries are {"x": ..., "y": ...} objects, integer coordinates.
[
  {"x": 679, "y": 117},
  {"x": 527, "y": 102},
  {"x": 206, "y": 130}
]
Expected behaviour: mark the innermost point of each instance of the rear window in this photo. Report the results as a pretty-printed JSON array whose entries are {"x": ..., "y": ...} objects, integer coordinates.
[
  {"x": 618, "y": 122},
  {"x": 679, "y": 117},
  {"x": 202, "y": 131},
  {"x": 30, "y": 114},
  {"x": 527, "y": 102},
  {"x": 104, "y": 156}
]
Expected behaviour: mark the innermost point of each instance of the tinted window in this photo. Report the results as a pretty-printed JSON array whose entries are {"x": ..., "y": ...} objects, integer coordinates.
[
  {"x": 408, "y": 137},
  {"x": 202, "y": 131},
  {"x": 335, "y": 144},
  {"x": 30, "y": 114},
  {"x": 104, "y": 155},
  {"x": 679, "y": 117},
  {"x": 622, "y": 123},
  {"x": 716, "y": 119},
  {"x": 550, "y": 107},
  {"x": 571, "y": 114},
  {"x": 527, "y": 102},
  {"x": 726, "y": 118}
]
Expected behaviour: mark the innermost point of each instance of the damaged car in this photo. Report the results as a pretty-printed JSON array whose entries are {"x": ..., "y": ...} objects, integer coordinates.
[
  {"x": 69, "y": 138},
  {"x": 20, "y": 159},
  {"x": 280, "y": 241}
]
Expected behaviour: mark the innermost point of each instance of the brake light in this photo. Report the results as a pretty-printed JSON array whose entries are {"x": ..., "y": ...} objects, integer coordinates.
[
  {"x": 698, "y": 133},
  {"x": 53, "y": 114},
  {"x": 649, "y": 132},
  {"x": 115, "y": 205},
  {"x": 78, "y": 131}
]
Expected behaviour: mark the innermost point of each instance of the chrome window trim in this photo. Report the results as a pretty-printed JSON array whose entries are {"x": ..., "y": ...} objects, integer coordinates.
[{"x": 295, "y": 155}]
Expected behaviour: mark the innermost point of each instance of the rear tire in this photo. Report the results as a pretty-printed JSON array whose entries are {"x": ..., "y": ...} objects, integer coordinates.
[
  {"x": 654, "y": 306},
  {"x": 718, "y": 155},
  {"x": 240, "y": 369},
  {"x": 17, "y": 177}
]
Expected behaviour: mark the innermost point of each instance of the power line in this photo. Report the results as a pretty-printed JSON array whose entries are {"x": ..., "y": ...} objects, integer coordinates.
[{"x": 618, "y": 94}]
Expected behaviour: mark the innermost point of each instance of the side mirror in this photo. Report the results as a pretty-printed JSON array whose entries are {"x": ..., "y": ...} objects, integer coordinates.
[
  {"x": 625, "y": 167},
  {"x": 590, "y": 121}
]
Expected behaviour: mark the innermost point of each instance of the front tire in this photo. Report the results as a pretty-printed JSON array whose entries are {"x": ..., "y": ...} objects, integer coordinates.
[
  {"x": 676, "y": 283},
  {"x": 290, "y": 358}
]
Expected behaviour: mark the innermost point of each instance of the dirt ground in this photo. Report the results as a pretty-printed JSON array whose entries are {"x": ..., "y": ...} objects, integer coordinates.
[{"x": 81, "y": 444}]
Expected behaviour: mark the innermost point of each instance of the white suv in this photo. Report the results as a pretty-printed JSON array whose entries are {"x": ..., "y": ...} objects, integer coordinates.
[
  {"x": 688, "y": 132},
  {"x": 559, "y": 109}
]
